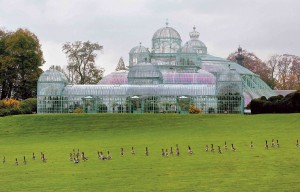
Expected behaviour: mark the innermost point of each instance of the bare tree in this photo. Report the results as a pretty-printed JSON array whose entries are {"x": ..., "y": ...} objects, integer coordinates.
[
  {"x": 272, "y": 64},
  {"x": 285, "y": 69},
  {"x": 295, "y": 71},
  {"x": 81, "y": 62}
]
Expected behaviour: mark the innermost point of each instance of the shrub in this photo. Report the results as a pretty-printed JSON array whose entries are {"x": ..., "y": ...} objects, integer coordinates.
[
  {"x": 4, "y": 112},
  {"x": 275, "y": 98},
  {"x": 7, "y": 112},
  {"x": 28, "y": 106},
  {"x": 256, "y": 106},
  {"x": 78, "y": 110},
  {"x": 11, "y": 103},
  {"x": 194, "y": 109},
  {"x": 2, "y": 106},
  {"x": 277, "y": 104},
  {"x": 14, "y": 111}
]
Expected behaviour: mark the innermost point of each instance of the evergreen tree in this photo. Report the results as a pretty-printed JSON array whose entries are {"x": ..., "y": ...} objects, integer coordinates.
[{"x": 121, "y": 65}]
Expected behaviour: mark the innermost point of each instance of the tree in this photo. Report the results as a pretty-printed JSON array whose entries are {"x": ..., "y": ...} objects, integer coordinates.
[
  {"x": 285, "y": 70},
  {"x": 254, "y": 64},
  {"x": 3, "y": 65},
  {"x": 21, "y": 57},
  {"x": 121, "y": 65},
  {"x": 81, "y": 62},
  {"x": 272, "y": 65}
]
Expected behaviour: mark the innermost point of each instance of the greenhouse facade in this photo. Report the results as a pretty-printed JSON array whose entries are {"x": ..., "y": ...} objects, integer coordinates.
[{"x": 171, "y": 78}]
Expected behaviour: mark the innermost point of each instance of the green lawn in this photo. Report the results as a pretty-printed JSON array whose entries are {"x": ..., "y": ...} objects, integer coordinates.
[{"x": 258, "y": 169}]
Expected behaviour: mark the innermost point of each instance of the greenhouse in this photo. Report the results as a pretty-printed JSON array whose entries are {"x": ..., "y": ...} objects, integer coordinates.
[{"x": 169, "y": 78}]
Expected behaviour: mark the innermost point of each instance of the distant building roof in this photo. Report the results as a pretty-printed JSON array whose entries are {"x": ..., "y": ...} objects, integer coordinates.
[{"x": 283, "y": 92}]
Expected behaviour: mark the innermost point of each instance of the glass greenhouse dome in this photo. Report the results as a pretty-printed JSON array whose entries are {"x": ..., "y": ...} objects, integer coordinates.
[
  {"x": 170, "y": 79},
  {"x": 138, "y": 54}
]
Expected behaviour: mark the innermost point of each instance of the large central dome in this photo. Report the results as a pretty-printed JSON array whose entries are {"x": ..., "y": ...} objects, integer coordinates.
[
  {"x": 166, "y": 33},
  {"x": 165, "y": 43}
]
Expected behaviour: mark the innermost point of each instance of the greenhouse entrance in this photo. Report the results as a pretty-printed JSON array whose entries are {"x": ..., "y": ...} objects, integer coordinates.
[
  {"x": 183, "y": 103},
  {"x": 89, "y": 104},
  {"x": 136, "y": 105}
]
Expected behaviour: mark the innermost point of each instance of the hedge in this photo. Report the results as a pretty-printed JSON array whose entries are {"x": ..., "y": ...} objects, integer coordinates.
[{"x": 277, "y": 104}]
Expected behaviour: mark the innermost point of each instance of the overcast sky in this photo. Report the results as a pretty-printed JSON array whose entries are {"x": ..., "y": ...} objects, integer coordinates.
[{"x": 265, "y": 27}]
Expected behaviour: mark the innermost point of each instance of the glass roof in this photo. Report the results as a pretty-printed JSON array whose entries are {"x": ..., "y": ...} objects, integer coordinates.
[
  {"x": 187, "y": 48},
  {"x": 117, "y": 77},
  {"x": 201, "y": 77},
  {"x": 125, "y": 90},
  {"x": 218, "y": 65},
  {"x": 196, "y": 44},
  {"x": 139, "y": 49},
  {"x": 144, "y": 70},
  {"x": 229, "y": 75},
  {"x": 52, "y": 75},
  {"x": 166, "y": 33}
]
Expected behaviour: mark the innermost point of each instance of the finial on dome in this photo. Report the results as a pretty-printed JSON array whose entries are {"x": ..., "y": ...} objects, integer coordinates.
[
  {"x": 194, "y": 34},
  {"x": 240, "y": 50},
  {"x": 239, "y": 58},
  {"x": 167, "y": 22},
  {"x": 140, "y": 44}
]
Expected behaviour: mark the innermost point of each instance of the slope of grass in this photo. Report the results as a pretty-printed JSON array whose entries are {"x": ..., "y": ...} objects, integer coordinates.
[{"x": 257, "y": 169}]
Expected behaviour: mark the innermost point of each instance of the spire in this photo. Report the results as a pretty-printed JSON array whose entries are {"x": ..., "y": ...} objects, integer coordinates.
[
  {"x": 239, "y": 58},
  {"x": 194, "y": 34},
  {"x": 167, "y": 22},
  {"x": 240, "y": 50}
]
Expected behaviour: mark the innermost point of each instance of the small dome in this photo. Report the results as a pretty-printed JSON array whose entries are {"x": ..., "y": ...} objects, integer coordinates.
[
  {"x": 51, "y": 83},
  {"x": 144, "y": 73},
  {"x": 138, "y": 54},
  {"x": 139, "y": 49},
  {"x": 166, "y": 33},
  {"x": 194, "y": 42},
  {"x": 187, "y": 49},
  {"x": 115, "y": 78},
  {"x": 53, "y": 75}
]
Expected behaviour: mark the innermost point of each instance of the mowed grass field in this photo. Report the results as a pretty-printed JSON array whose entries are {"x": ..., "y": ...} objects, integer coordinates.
[{"x": 258, "y": 169}]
